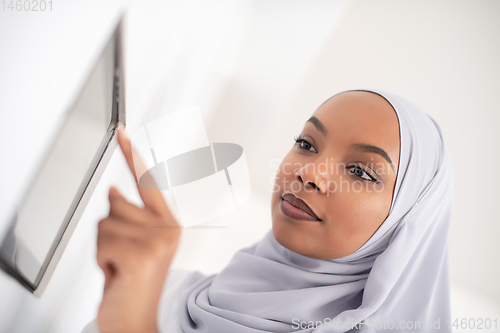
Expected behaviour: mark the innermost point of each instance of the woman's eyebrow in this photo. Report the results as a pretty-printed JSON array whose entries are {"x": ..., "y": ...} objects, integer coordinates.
[
  {"x": 318, "y": 124},
  {"x": 363, "y": 147}
]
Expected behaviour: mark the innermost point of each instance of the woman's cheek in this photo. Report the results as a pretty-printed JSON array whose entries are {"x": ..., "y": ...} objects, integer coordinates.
[
  {"x": 287, "y": 167},
  {"x": 349, "y": 210}
]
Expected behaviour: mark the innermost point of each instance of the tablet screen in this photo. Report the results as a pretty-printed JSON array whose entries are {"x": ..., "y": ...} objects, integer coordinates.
[{"x": 61, "y": 179}]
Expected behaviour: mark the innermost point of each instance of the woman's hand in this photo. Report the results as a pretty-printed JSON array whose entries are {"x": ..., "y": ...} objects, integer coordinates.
[{"x": 135, "y": 247}]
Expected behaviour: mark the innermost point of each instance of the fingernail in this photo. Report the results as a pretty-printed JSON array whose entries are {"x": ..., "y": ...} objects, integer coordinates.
[{"x": 121, "y": 130}]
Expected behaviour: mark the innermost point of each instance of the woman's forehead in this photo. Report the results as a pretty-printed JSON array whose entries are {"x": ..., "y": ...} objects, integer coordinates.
[
  {"x": 360, "y": 117},
  {"x": 351, "y": 105},
  {"x": 362, "y": 111}
]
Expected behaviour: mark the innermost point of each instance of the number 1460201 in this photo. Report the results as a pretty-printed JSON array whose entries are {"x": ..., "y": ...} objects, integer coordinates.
[{"x": 27, "y": 5}]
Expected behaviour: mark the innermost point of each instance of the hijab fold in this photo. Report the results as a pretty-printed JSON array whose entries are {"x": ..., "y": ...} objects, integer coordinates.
[{"x": 399, "y": 276}]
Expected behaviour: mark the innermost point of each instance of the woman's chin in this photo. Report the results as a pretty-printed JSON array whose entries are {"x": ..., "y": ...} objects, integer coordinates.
[
  {"x": 303, "y": 241},
  {"x": 293, "y": 239}
]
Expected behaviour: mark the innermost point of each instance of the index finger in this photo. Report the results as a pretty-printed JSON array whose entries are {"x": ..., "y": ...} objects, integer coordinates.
[{"x": 153, "y": 199}]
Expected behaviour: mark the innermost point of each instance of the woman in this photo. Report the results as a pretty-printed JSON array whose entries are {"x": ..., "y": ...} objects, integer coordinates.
[{"x": 361, "y": 208}]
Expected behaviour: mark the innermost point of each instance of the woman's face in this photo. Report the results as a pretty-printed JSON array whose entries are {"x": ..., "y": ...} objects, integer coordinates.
[{"x": 343, "y": 166}]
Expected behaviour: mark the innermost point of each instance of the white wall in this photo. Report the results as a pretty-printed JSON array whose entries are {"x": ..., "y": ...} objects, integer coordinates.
[{"x": 257, "y": 69}]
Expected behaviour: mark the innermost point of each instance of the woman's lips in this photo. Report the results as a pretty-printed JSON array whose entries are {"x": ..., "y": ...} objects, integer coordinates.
[{"x": 296, "y": 208}]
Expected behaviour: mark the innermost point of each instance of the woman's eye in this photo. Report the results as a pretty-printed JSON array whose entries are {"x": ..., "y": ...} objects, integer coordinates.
[
  {"x": 360, "y": 172},
  {"x": 304, "y": 144}
]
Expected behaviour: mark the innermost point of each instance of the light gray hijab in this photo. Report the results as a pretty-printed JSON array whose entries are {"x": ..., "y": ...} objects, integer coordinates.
[{"x": 398, "y": 277}]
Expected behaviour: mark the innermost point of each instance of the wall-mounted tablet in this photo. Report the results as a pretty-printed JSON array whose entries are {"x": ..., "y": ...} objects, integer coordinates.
[{"x": 51, "y": 207}]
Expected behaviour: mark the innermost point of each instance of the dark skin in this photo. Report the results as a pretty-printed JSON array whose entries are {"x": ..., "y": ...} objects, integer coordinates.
[
  {"x": 334, "y": 179},
  {"x": 136, "y": 245}
]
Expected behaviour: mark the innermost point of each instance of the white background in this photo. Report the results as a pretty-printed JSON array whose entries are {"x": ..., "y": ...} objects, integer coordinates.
[{"x": 257, "y": 70}]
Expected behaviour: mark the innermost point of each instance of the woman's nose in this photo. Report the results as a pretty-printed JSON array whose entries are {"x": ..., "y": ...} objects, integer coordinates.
[{"x": 310, "y": 178}]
